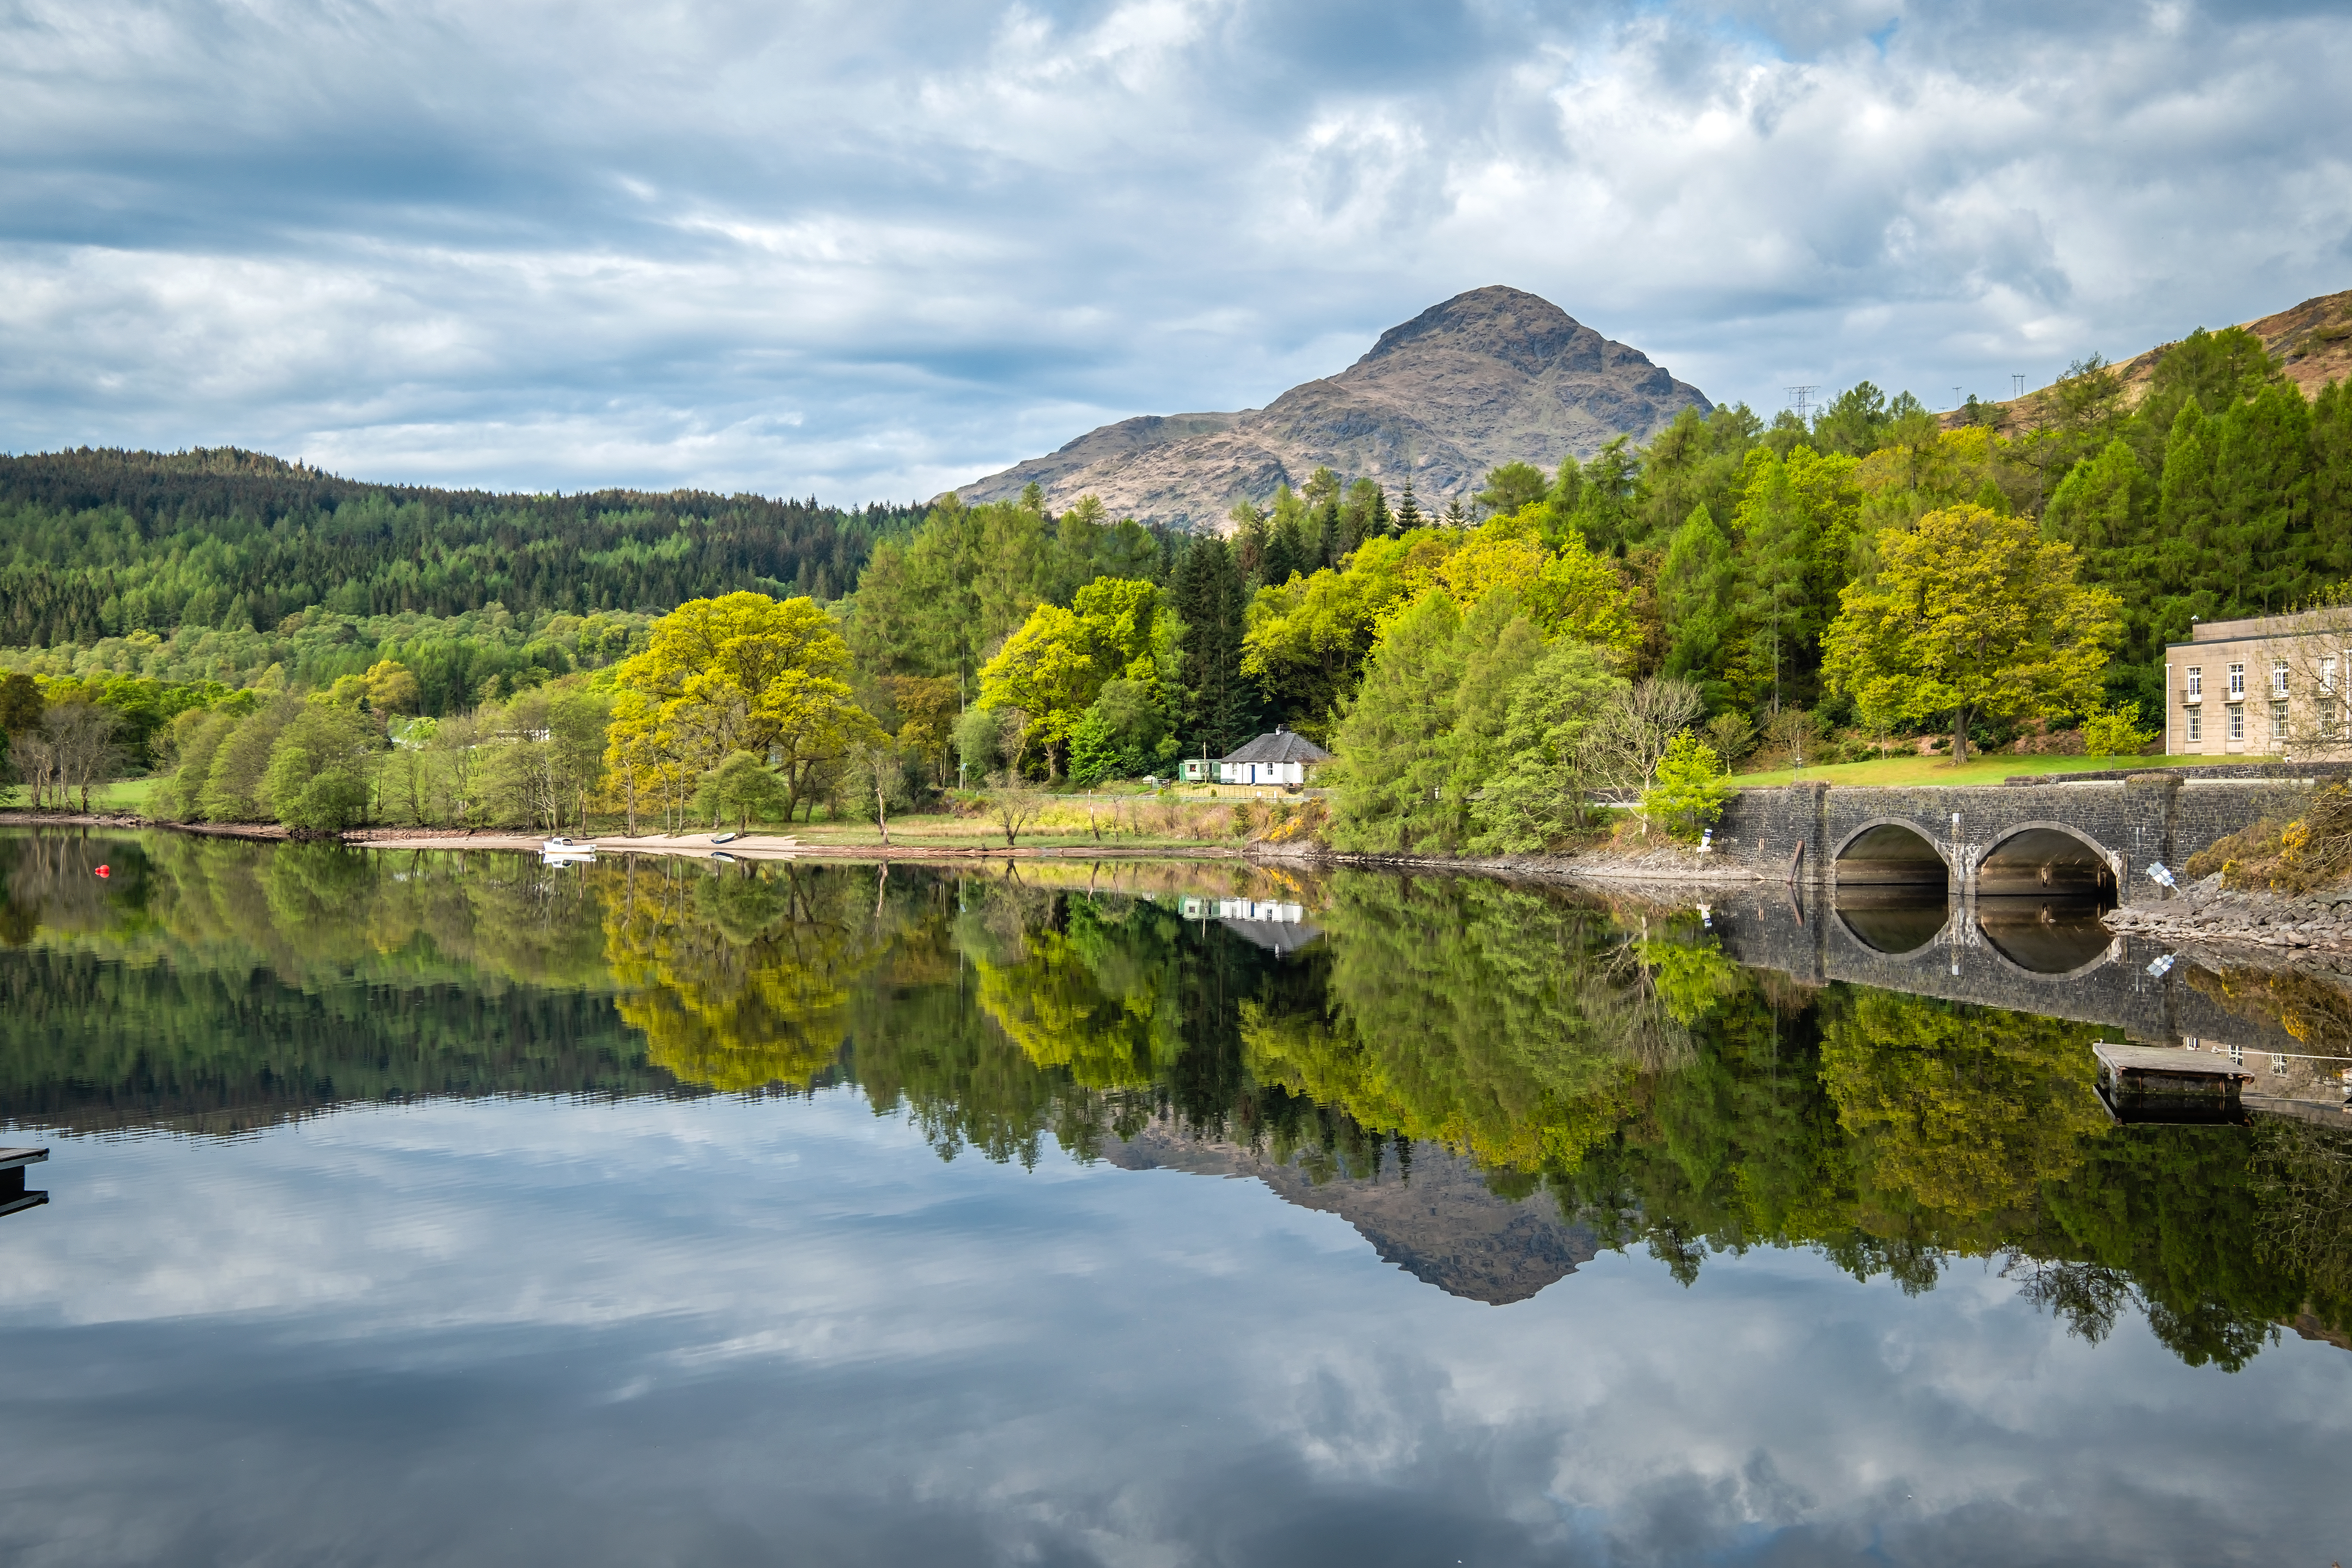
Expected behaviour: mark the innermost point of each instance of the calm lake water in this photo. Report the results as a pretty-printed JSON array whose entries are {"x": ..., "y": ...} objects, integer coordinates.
[{"x": 441, "y": 1208}]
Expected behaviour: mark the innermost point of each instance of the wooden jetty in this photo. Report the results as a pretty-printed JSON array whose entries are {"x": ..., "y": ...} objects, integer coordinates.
[
  {"x": 2152, "y": 1083},
  {"x": 13, "y": 1195}
]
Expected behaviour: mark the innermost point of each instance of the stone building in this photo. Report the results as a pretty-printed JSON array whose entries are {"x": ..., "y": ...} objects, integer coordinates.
[{"x": 2272, "y": 686}]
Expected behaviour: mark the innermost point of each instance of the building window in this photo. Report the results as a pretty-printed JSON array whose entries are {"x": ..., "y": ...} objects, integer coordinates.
[
  {"x": 2278, "y": 1064},
  {"x": 2237, "y": 1055},
  {"x": 2278, "y": 677},
  {"x": 2237, "y": 723},
  {"x": 2278, "y": 721},
  {"x": 2327, "y": 673},
  {"x": 2327, "y": 718},
  {"x": 2196, "y": 682},
  {"x": 2237, "y": 682},
  {"x": 2197, "y": 724}
]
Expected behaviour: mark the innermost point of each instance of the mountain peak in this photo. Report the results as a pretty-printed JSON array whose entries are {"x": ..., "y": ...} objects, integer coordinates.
[
  {"x": 1524, "y": 331},
  {"x": 1491, "y": 377}
]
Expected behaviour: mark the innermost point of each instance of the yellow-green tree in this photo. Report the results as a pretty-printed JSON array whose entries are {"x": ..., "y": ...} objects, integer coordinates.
[
  {"x": 1044, "y": 670},
  {"x": 1970, "y": 614},
  {"x": 1964, "y": 1115},
  {"x": 1054, "y": 666},
  {"x": 1310, "y": 639},
  {"x": 743, "y": 977},
  {"x": 742, "y": 672}
]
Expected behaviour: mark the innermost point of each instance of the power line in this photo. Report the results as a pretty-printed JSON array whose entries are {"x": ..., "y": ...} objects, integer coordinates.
[
  {"x": 1800, "y": 398},
  {"x": 2017, "y": 384}
]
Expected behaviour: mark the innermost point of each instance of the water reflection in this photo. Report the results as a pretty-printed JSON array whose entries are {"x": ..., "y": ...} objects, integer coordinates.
[
  {"x": 1609, "y": 1071},
  {"x": 1893, "y": 919},
  {"x": 2045, "y": 935}
]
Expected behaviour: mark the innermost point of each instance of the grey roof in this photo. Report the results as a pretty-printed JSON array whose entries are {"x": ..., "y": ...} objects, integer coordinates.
[
  {"x": 1275, "y": 936},
  {"x": 1281, "y": 746}
]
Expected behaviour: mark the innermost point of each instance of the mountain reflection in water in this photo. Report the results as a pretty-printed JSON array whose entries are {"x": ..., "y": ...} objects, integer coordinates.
[{"x": 1494, "y": 1085}]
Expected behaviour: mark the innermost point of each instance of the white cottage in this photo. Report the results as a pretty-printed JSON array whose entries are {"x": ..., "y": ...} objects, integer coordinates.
[{"x": 1282, "y": 758}]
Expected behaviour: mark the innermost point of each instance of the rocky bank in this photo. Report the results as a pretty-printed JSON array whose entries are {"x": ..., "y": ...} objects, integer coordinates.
[{"x": 2208, "y": 912}]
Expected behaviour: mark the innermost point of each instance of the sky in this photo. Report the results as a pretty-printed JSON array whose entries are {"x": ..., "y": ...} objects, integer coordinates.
[
  {"x": 868, "y": 251},
  {"x": 752, "y": 1331}
]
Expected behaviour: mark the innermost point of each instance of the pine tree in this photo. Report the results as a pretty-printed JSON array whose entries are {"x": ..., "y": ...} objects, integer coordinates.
[
  {"x": 2187, "y": 563},
  {"x": 1698, "y": 589},
  {"x": 2331, "y": 482},
  {"x": 1219, "y": 710},
  {"x": 2105, "y": 510},
  {"x": 2262, "y": 498},
  {"x": 1778, "y": 536},
  {"x": 1408, "y": 511}
]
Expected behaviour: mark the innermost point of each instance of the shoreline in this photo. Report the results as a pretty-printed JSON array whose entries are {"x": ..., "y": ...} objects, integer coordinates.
[
  {"x": 1653, "y": 866},
  {"x": 2205, "y": 915},
  {"x": 749, "y": 846},
  {"x": 2200, "y": 917}
]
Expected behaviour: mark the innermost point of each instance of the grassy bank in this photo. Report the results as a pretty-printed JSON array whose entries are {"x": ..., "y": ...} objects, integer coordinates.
[{"x": 1991, "y": 769}]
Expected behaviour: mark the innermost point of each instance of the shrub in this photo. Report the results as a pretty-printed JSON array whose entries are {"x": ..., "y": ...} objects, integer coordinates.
[
  {"x": 1691, "y": 788},
  {"x": 2115, "y": 732},
  {"x": 2287, "y": 856}
]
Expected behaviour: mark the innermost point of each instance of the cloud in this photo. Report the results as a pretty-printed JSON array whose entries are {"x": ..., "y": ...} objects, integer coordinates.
[
  {"x": 869, "y": 250},
  {"x": 521, "y": 1331}
]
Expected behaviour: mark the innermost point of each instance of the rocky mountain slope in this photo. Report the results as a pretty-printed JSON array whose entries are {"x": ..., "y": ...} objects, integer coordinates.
[
  {"x": 1440, "y": 1223},
  {"x": 1491, "y": 377},
  {"x": 2312, "y": 341}
]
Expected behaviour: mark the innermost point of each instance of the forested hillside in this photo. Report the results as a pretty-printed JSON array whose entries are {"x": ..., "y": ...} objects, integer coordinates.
[
  {"x": 290, "y": 646},
  {"x": 95, "y": 544}
]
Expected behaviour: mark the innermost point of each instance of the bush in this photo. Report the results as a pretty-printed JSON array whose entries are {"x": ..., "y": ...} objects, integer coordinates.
[
  {"x": 979, "y": 743},
  {"x": 2291, "y": 856},
  {"x": 1123, "y": 734},
  {"x": 1691, "y": 788},
  {"x": 2115, "y": 732}
]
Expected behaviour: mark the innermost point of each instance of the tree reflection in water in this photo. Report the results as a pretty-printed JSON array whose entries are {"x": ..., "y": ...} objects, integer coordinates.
[{"x": 1612, "y": 1057}]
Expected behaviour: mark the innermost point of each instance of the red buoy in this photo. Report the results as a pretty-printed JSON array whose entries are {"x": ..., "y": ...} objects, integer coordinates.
[{"x": 103, "y": 872}]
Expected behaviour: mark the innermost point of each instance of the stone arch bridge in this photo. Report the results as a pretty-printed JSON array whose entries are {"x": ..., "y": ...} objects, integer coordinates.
[
  {"x": 1917, "y": 890},
  {"x": 2081, "y": 837}
]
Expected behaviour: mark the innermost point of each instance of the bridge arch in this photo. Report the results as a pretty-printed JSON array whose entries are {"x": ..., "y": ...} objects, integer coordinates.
[
  {"x": 2047, "y": 859},
  {"x": 1890, "y": 851},
  {"x": 2040, "y": 961},
  {"x": 1893, "y": 921},
  {"x": 1894, "y": 884}
]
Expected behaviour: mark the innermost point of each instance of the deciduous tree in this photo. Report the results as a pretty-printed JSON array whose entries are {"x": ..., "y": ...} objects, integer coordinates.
[
  {"x": 1972, "y": 614},
  {"x": 744, "y": 672}
]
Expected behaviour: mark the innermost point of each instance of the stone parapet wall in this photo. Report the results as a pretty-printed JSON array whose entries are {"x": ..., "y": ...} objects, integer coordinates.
[{"x": 2273, "y": 773}]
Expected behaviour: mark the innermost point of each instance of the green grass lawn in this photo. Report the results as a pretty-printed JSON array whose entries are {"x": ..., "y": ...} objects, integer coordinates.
[
  {"x": 1978, "y": 770},
  {"x": 122, "y": 794}
]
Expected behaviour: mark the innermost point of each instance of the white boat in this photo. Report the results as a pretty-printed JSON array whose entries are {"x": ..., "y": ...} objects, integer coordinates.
[{"x": 559, "y": 850}]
